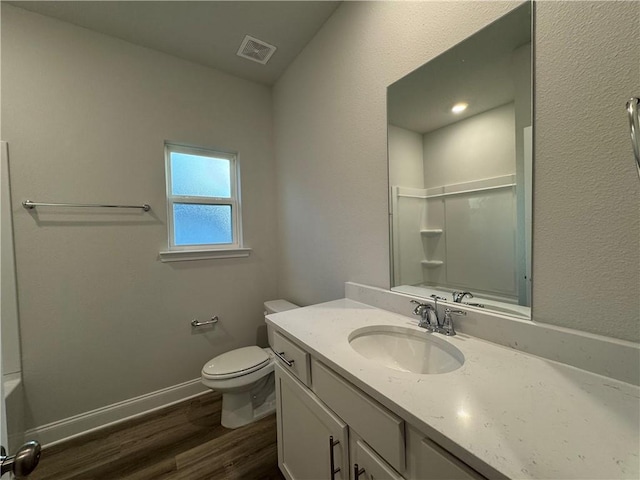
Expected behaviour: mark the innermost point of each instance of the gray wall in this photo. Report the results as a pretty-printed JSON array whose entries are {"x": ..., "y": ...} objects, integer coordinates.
[
  {"x": 330, "y": 123},
  {"x": 86, "y": 115},
  {"x": 586, "y": 217},
  {"x": 406, "y": 158},
  {"x": 478, "y": 147}
]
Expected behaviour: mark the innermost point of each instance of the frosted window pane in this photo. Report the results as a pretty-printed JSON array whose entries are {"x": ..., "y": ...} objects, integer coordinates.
[
  {"x": 197, "y": 176},
  {"x": 201, "y": 224}
]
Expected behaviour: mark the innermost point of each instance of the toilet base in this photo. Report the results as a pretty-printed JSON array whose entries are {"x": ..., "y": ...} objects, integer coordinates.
[
  {"x": 240, "y": 409},
  {"x": 238, "y": 414}
]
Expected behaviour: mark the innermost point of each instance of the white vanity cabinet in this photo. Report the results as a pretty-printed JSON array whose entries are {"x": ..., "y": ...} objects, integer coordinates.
[
  {"x": 312, "y": 440},
  {"x": 381, "y": 429},
  {"x": 324, "y": 421}
]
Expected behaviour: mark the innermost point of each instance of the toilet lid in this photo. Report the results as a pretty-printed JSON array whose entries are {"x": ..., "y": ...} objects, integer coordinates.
[{"x": 240, "y": 361}]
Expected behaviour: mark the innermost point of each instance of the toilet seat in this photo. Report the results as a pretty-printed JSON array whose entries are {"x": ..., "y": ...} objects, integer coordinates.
[{"x": 235, "y": 363}]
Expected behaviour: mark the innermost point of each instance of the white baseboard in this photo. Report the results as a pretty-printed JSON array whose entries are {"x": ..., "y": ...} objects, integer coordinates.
[{"x": 77, "y": 425}]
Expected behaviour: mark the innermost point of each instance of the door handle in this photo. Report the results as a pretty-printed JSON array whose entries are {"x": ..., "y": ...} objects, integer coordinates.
[{"x": 23, "y": 462}]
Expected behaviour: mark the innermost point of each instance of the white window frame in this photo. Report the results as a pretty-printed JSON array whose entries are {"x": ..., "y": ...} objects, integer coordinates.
[{"x": 210, "y": 250}]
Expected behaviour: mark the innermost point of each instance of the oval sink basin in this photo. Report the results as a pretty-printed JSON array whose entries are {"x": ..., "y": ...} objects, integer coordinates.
[{"x": 405, "y": 349}]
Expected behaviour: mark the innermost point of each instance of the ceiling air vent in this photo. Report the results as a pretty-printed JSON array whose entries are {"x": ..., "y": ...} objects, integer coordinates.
[{"x": 256, "y": 50}]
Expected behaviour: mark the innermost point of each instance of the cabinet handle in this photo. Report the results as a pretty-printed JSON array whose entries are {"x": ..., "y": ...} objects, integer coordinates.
[
  {"x": 357, "y": 471},
  {"x": 334, "y": 470},
  {"x": 280, "y": 355}
]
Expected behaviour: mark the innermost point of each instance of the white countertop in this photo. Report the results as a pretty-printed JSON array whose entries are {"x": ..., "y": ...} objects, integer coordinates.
[{"x": 503, "y": 411}]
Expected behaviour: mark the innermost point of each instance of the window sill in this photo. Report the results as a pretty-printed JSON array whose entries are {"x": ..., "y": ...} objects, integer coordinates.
[{"x": 187, "y": 255}]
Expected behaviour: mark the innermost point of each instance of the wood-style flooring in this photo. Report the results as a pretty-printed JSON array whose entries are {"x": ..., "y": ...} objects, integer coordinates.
[{"x": 181, "y": 442}]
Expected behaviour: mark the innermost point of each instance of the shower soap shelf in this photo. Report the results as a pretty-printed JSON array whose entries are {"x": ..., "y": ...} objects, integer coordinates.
[
  {"x": 432, "y": 263},
  {"x": 431, "y": 232}
]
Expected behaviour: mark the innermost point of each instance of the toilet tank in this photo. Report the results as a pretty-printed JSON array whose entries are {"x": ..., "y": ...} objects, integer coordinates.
[{"x": 276, "y": 306}]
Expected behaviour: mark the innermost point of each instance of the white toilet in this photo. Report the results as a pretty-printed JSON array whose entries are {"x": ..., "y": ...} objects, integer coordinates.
[{"x": 245, "y": 378}]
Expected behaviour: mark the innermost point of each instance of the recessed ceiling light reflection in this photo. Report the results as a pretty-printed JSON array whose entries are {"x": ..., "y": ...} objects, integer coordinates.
[
  {"x": 459, "y": 107},
  {"x": 462, "y": 413}
]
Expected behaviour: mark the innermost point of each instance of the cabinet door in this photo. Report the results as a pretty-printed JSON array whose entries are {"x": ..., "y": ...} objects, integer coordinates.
[
  {"x": 305, "y": 426},
  {"x": 380, "y": 428},
  {"x": 438, "y": 464},
  {"x": 369, "y": 464}
]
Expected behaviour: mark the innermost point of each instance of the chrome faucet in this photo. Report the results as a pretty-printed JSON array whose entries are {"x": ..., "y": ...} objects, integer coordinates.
[
  {"x": 436, "y": 324},
  {"x": 459, "y": 296},
  {"x": 447, "y": 323},
  {"x": 428, "y": 316}
]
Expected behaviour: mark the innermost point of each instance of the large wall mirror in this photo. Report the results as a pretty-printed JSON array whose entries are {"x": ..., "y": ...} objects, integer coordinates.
[{"x": 460, "y": 168}]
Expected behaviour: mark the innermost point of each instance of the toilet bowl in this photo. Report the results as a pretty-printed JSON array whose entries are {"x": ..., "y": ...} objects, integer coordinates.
[{"x": 245, "y": 378}]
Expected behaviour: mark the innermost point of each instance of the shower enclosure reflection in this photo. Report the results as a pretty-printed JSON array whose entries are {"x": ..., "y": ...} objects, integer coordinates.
[{"x": 460, "y": 181}]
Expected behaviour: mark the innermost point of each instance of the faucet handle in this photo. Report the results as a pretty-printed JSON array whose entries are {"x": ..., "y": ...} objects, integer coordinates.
[
  {"x": 420, "y": 309},
  {"x": 423, "y": 310},
  {"x": 447, "y": 323}
]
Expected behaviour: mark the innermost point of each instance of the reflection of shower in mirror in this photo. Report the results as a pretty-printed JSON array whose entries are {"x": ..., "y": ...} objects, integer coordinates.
[{"x": 461, "y": 181}]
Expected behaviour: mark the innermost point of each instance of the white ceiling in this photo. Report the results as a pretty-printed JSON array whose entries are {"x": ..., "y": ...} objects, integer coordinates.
[
  {"x": 205, "y": 32},
  {"x": 477, "y": 71}
]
